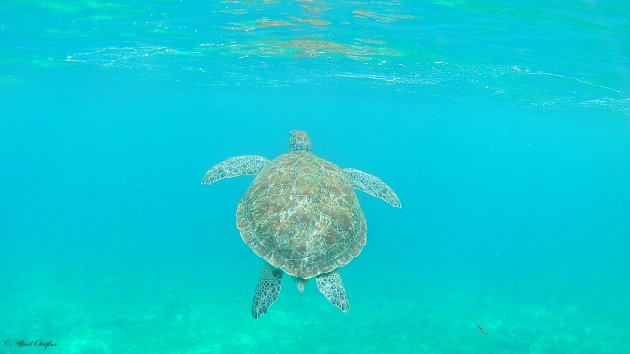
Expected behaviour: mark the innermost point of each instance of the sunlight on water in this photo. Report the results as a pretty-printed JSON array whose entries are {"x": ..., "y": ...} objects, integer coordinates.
[{"x": 263, "y": 42}]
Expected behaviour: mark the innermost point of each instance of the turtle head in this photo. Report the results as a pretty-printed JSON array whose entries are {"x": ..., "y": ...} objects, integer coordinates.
[{"x": 299, "y": 141}]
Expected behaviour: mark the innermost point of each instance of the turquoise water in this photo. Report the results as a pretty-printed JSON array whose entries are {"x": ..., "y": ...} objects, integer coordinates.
[{"x": 504, "y": 128}]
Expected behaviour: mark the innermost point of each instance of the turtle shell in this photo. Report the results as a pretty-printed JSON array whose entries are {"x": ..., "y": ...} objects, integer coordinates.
[{"x": 301, "y": 215}]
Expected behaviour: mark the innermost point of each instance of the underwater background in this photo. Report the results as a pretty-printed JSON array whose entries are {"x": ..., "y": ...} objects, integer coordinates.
[{"x": 503, "y": 126}]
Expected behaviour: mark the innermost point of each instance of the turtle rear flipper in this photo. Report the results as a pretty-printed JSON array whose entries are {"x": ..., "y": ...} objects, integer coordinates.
[
  {"x": 331, "y": 286},
  {"x": 267, "y": 291},
  {"x": 372, "y": 185},
  {"x": 234, "y": 167}
]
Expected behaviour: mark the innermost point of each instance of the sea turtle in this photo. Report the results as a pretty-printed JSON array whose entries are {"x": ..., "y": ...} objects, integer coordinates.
[{"x": 302, "y": 216}]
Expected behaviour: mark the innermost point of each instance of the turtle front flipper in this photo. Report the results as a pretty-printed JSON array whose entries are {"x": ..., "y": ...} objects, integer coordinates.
[
  {"x": 234, "y": 167},
  {"x": 372, "y": 185},
  {"x": 331, "y": 286},
  {"x": 267, "y": 291}
]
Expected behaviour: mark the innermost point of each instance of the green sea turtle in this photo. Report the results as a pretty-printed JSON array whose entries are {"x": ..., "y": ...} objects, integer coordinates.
[{"x": 302, "y": 216}]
